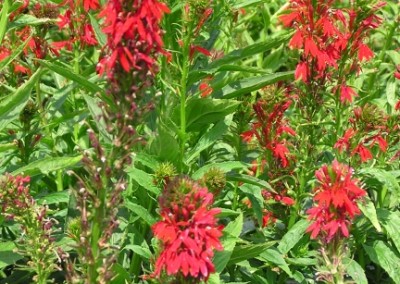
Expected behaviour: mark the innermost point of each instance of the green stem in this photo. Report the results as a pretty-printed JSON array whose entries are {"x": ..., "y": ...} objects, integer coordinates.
[{"x": 183, "y": 88}]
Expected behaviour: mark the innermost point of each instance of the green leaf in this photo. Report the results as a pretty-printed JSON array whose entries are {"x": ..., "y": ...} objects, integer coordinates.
[
  {"x": 141, "y": 212},
  {"x": 140, "y": 250},
  {"x": 96, "y": 114},
  {"x": 250, "y": 180},
  {"x": 254, "y": 194},
  {"x": 227, "y": 212},
  {"x": 302, "y": 261},
  {"x": 391, "y": 86},
  {"x": 367, "y": 207},
  {"x": 274, "y": 256},
  {"x": 11, "y": 106},
  {"x": 247, "y": 85},
  {"x": 3, "y": 19},
  {"x": 7, "y": 254},
  {"x": 144, "y": 179},
  {"x": 245, "y": 252},
  {"x": 146, "y": 160},
  {"x": 7, "y": 147},
  {"x": 223, "y": 166},
  {"x": 81, "y": 80},
  {"x": 48, "y": 165},
  {"x": 386, "y": 178},
  {"x": 391, "y": 222},
  {"x": 122, "y": 276},
  {"x": 29, "y": 20},
  {"x": 54, "y": 198},
  {"x": 201, "y": 112},
  {"x": 250, "y": 51},
  {"x": 101, "y": 37},
  {"x": 14, "y": 55},
  {"x": 382, "y": 255},
  {"x": 293, "y": 236},
  {"x": 355, "y": 271},
  {"x": 214, "y": 279},
  {"x": 165, "y": 146},
  {"x": 229, "y": 239},
  {"x": 209, "y": 138}
]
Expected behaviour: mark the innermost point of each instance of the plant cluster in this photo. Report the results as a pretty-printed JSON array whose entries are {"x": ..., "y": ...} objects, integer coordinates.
[{"x": 199, "y": 141}]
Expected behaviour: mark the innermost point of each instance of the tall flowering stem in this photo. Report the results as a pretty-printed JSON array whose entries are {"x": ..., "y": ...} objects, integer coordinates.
[
  {"x": 194, "y": 16},
  {"x": 336, "y": 198},
  {"x": 36, "y": 242},
  {"x": 330, "y": 37},
  {"x": 188, "y": 232},
  {"x": 129, "y": 62}
]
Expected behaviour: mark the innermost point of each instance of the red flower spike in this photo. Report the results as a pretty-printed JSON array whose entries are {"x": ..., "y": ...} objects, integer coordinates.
[
  {"x": 188, "y": 231},
  {"x": 336, "y": 199}
]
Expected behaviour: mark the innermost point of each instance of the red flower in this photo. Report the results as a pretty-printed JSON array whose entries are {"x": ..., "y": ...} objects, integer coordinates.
[
  {"x": 133, "y": 35},
  {"x": 347, "y": 94},
  {"x": 205, "y": 88},
  {"x": 335, "y": 198},
  {"x": 302, "y": 72},
  {"x": 397, "y": 75},
  {"x": 90, "y": 5},
  {"x": 188, "y": 231},
  {"x": 297, "y": 40},
  {"x": 247, "y": 136},
  {"x": 344, "y": 142},
  {"x": 280, "y": 151},
  {"x": 88, "y": 36},
  {"x": 268, "y": 218},
  {"x": 363, "y": 152},
  {"x": 397, "y": 106},
  {"x": 381, "y": 142},
  {"x": 287, "y": 201},
  {"x": 364, "y": 52}
]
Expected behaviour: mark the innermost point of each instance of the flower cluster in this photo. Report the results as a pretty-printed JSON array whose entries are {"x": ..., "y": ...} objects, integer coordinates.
[
  {"x": 270, "y": 128},
  {"x": 369, "y": 127},
  {"x": 329, "y": 36},
  {"x": 335, "y": 197},
  {"x": 133, "y": 35},
  {"x": 77, "y": 24},
  {"x": 32, "y": 38},
  {"x": 188, "y": 231},
  {"x": 36, "y": 241}
]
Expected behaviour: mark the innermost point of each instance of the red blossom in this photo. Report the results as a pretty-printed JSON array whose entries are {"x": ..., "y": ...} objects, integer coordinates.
[
  {"x": 302, "y": 72},
  {"x": 363, "y": 152},
  {"x": 344, "y": 142},
  {"x": 188, "y": 231},
  {"x": 347, "y": 94},
  {"x": 364, "y": 52},
  {"x": 336, "y": 199},
  {"x": 280, "y": 152},
  {"x": 91, "y": 5},
  {"x": 397, "y": 106},
  {"x": 133, "y": 35},
  {"x": 288, "y": 201},
  {"x": 381, "y": 142}
]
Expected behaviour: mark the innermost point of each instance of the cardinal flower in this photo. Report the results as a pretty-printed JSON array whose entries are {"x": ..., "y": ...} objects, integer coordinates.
[
  {"x": 188, "y": 231},
  {"x": 336, "y": 199}
]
